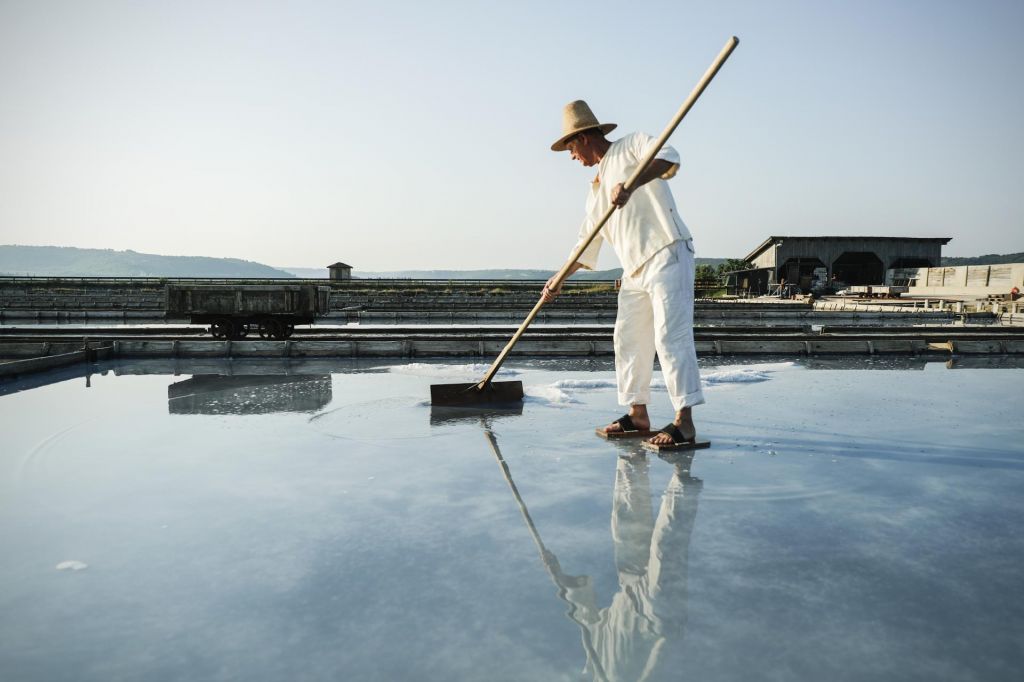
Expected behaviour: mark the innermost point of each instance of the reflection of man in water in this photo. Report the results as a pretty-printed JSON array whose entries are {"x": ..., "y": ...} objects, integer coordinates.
[{"x": 639, "y": 636}]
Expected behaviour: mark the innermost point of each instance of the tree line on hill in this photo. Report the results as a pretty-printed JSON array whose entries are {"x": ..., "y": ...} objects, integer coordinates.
[
  {"x": 990, "y": 259},
  {"x": 716, "y": 273}
]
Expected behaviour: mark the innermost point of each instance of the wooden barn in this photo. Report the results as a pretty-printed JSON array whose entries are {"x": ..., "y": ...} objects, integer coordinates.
[{"x": 812, "y": 262}]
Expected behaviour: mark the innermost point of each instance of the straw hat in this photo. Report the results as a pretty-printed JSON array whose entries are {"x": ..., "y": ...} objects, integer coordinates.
[{"x": 577, "y": 117}]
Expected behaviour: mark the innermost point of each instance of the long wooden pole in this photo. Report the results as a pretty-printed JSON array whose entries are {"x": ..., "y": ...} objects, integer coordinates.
[
  {"x": 705, "y": 80},
  {"x": 547, "y": 557}
]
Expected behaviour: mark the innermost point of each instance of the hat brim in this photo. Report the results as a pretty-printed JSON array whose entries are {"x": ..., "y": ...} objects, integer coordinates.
[{"x": 559, "y": 145}]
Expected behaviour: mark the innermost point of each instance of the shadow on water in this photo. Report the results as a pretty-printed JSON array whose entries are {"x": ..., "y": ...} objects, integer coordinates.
[
  {"x": 446, "y": 415},
  {"x": 639, "y": 634}
]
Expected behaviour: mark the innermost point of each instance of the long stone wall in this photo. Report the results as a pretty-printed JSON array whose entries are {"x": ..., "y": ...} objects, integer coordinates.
[
  {"x": 95, "y": 294},
  {"x": 80, "y": 297}
]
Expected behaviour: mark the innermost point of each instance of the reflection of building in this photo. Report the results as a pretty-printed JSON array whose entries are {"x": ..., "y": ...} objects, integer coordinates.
[
  {"x": 240, "y": 394},
  {"x": 809, "y": 262},
  {"x": 639, "y": 635}
]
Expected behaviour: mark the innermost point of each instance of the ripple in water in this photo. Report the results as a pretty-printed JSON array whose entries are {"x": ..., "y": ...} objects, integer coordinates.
[{"x": 39, "y": 460}]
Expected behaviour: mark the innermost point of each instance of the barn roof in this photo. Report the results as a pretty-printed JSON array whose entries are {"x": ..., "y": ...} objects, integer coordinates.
[{"x": 773, "y": 239}]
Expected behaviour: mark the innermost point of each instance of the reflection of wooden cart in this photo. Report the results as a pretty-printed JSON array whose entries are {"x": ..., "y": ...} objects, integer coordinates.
[
  {"x": 242, "y": 394},
  {"x": 233, "y": 311}
]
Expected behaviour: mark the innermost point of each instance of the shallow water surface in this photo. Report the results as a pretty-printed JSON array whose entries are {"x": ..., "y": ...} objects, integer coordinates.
[{"x": 314, "y": 520}]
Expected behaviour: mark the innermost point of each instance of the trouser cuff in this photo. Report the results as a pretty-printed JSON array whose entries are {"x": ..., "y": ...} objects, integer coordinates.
[
  {"x": 626, "y": 399},
  {"x": 688, "y": 400}
]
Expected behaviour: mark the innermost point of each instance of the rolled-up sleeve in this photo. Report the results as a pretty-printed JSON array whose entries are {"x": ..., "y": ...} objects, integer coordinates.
[
  {"x": 641, "y": 146},
  {"x": 588, "y": 259}
]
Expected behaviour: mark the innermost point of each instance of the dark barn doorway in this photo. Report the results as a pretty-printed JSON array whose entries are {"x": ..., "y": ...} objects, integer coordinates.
[
  {"x": 859, "y": 268},
  {"x": 800, "y": 271}
]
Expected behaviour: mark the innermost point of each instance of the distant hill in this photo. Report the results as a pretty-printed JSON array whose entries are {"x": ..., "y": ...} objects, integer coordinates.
[
  {"x": 615, "y": 273},
  {"x": 67, "y": 261},
  {"x": 306, "y": 273},
  {"x": 984, "y": 260}
]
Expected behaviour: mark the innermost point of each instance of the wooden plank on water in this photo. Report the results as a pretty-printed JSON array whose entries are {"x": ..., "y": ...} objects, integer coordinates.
[
  {"x": 190, "y": 348},
  {"x": 852, "y": 347},
  {"x": 897, "y": 345},
  {"x": 257, "y": 349},
  {"x": 736, "y": 347},
  {"x": 1015, "y": 347},
  {"x": 322, "y": 349},
  {"x": 705, "y": 347},
  {"x": 35, "y": 349},
  {"x": 984, "y": 347}
]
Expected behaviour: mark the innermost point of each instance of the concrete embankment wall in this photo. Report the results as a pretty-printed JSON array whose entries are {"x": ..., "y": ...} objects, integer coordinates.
[
  {"x": 541, "y": 345},
  {"x": 26, "y": 356},
  {"x": 964, "y": 281}
]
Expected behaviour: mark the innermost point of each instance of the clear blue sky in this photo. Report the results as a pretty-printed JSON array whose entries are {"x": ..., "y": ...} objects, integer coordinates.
[{"x": 399, "y": 135}]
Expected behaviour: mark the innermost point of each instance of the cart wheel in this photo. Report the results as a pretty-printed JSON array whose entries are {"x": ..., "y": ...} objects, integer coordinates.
[
  {"x": 242, "y": 330},
  {"x": 289, "y": 329},
  {"x": 275, "y": 330},
  {"x": 221, "y": 328}
]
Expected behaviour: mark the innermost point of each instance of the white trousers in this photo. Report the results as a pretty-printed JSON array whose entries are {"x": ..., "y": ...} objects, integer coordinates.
[{"x": 656, "y": 314}]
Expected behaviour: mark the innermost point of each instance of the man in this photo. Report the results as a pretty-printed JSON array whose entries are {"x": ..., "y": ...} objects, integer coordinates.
[{"x": 656, "y": 252}]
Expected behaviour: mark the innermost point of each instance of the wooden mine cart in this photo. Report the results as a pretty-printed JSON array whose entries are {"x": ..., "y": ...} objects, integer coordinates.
[{"x": 233, "y": 311}]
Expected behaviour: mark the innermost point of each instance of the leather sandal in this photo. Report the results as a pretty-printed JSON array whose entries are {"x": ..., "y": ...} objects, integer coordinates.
[
  {"x": 679, "y": 441},
  {"x": 629, "y": 429}
]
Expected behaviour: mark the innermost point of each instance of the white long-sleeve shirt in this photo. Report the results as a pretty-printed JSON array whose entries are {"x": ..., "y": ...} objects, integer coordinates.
[{"x": 647, "y": 223}]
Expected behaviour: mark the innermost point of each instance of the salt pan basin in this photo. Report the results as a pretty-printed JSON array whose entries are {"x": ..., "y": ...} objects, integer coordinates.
[{"x": 216, "y": 520}]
